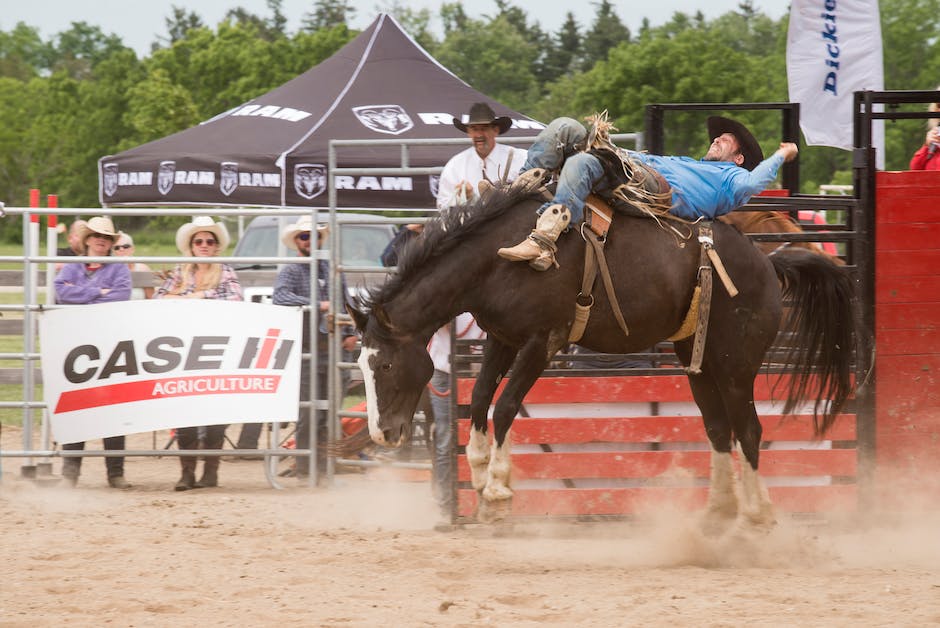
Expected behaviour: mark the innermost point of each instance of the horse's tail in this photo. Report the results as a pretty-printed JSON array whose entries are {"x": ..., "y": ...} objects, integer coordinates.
[{"x": 821, "y": 318}]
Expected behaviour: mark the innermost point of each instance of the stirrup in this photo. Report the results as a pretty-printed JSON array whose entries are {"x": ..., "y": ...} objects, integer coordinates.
[{"x": 545, "y": 261}]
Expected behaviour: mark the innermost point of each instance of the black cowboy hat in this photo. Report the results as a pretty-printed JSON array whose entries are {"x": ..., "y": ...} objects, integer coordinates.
[
  {"x": 753, "y": 155},
  {"x": 482, "y": 113}
]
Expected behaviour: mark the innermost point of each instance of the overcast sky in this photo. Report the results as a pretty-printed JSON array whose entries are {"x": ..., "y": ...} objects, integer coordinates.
[{"x": 140, "y": 22}]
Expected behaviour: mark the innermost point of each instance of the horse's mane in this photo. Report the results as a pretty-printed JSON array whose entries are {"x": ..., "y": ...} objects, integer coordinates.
[{"x": 440, "y": 235}]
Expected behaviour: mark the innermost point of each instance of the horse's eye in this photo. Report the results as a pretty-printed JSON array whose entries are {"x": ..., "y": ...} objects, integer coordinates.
[{"x": 387, "y": 367}]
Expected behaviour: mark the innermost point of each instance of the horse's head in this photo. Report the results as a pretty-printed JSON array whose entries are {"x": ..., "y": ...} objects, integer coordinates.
[{"x": 395, "y": 369}]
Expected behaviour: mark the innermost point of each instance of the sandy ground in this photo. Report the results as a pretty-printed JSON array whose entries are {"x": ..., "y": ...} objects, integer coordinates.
[{"x": 365, "y": 552}]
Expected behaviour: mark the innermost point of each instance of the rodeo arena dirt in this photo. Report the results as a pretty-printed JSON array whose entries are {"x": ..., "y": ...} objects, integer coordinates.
[{"x": 365, "y": 552}]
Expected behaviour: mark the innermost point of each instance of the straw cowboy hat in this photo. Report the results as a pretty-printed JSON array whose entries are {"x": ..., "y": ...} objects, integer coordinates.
[
  {"x": 184, "y": 234},
  {"x": 98, "y": 224},
  {"x": 750, "y": 148},
  {"x": 482, "y": 113},
  {"x": 304, "y": 223}
]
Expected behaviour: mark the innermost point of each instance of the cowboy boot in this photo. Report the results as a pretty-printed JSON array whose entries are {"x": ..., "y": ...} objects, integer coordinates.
[
  {"x": 215, "y": 438},
  {"x": 210, "y": 473},
  {"x": 188, "y": 478},
  {"x": 530, "y": 180},
  {"x": 539, "y": 247}
]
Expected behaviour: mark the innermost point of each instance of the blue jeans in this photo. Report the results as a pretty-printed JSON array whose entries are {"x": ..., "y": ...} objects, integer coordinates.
[
  {"x": 443, "y": 463},
  {"x": 580, "y": 171}
]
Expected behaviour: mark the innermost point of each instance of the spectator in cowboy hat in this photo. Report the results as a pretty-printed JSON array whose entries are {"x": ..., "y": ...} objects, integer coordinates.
[
  {"x": 292, "y": 287},
  {"x": 485, "y": 160},
  {"x": 94, "y": 282},
  {"x": 203, "y": 238},
  {"x": 251, "y": 432}
]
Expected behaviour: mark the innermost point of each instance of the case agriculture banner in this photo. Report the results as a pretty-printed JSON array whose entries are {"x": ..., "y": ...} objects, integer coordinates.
[
  {"x": 833, "y": 50},
  {"x": 120, "y": 368}
]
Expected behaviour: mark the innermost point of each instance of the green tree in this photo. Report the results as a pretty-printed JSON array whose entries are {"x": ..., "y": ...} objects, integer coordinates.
[
  {"x": 23, "y": 54},
  {"x": 72, "y": 124},
  {"x": 453, "y": 17},
  {"x": 416, "y": 22},
  {"x": 606, "y": 33},
  {"x": 540, "y": 42},
  {"x": 83, "y": 46},
  {"x": 327, "y": 14},
  {"x": 157, "y": 108},
  {"x": 219, "y": 70},
  {"x": 178, "y": 24},
  {"x": 14, "y": 158},
  {"x": 565, "y": 51},
  {"x": 268, "y": 28},
  {"x": 489, "y": 56}
]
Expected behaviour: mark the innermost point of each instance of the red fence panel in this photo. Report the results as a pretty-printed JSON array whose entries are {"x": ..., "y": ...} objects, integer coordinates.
[
  {"x": 907, "y": 334},
  {"x": 566, "y": 464}
]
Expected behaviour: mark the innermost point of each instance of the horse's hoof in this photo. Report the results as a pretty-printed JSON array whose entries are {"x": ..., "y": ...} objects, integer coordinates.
[
  {"x": 495, "y": 493},
  {"x": 762, "y": 522},
  {"x": 714, "y": 523},
  {"x": 493, "y": 512}
]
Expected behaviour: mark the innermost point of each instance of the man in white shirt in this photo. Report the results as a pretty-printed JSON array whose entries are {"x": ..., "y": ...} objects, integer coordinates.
[{"x": 485, "y": 160}]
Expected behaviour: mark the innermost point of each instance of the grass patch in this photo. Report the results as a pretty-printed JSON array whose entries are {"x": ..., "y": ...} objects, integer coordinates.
[{"x": 14, "y": 416}]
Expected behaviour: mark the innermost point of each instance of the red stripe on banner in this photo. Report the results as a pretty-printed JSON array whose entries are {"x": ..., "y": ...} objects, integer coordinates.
[
  {"x": 167, "y": 388},
  {"x": 267, "y": 348}
]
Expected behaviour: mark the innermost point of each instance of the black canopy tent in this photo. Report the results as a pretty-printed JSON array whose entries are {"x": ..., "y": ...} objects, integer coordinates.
[{"x": 273, "y": 150}]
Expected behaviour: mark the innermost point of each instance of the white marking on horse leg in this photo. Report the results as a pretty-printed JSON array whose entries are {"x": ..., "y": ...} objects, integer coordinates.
[
  {"x": 756, "y": 506},
  {"x": 721, "y": 496},
  {"x": 497, "y": 487},
  {"x": 722, "y": 507},
  {"x": 478, "y": 457},
  {"x": 372, "y": 402}
]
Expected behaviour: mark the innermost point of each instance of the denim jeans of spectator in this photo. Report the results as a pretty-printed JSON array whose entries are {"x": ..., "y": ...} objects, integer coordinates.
[
  {"x": 443, "y": 463},
  {"x": 302, "y": 437}
]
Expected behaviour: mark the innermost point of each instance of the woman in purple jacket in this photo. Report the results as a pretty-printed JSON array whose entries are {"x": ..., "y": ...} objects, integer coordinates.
[{"x": 94, "y": 282}]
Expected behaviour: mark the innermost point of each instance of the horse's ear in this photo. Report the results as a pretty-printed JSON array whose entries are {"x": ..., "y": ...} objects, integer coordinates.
[
  {"x": 382, "y": 317},
  {"x": 358, "y": 316}
]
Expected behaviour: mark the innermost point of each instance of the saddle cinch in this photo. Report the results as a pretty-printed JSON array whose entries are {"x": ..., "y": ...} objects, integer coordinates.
[{"x": 598, "y": 216}]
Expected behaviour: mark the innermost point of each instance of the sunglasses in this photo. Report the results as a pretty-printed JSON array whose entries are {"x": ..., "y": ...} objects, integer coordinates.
[
  {"x": 121, "y": 247},
  {"x": 303, "y": 236},
  {"x": 102, "y": 236},
  {"x": 207, "y": 242}
]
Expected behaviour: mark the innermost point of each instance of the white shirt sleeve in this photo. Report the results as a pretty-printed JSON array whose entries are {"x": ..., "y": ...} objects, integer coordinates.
[{"x": 450, "y": 177}]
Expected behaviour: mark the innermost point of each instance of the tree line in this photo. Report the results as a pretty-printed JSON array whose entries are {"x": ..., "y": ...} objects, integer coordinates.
[{"x": 68, "y": 100}]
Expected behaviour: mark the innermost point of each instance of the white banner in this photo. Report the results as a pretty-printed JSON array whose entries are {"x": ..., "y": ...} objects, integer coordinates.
[
  {"x": 833, "y": 50},
  {"x": 135, "y": 366}
]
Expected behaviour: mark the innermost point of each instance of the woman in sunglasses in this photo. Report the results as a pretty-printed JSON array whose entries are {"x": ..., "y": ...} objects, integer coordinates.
[
  {"x": 124, "y": 247},
  {"x": 94, "y": 282},
  {"x": 202, "y": 237}
]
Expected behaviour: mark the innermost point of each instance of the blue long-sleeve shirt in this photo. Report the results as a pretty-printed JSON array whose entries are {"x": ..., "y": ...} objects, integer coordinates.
[
  {"x": 710, "y": 188},
  {"x": 76, "y": 284}
]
